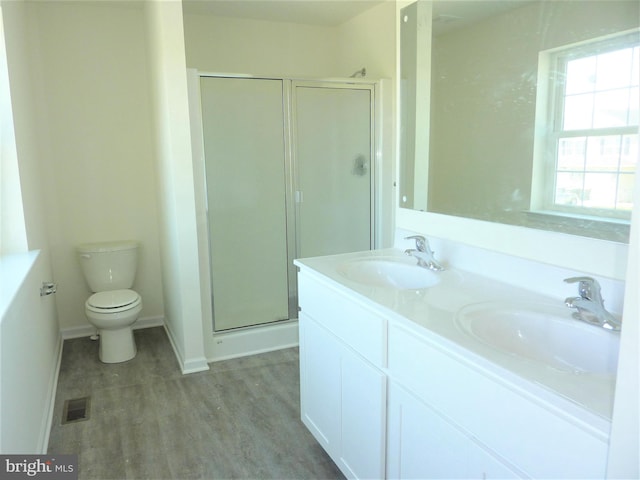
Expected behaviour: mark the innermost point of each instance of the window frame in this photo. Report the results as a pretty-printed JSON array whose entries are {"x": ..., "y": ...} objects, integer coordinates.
[{"x": 552, "y": 78}]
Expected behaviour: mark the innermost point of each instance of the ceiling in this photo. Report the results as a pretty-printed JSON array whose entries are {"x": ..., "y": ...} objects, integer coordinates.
[{"x": 310, "y": 12}]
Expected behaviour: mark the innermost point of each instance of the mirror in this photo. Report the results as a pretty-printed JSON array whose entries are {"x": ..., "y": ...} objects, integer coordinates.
[{"x": 477, "y": 136}]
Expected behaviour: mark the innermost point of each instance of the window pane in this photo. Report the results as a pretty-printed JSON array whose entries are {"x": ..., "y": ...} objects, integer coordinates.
[
  {"x": 635, "y": 74},
  {"x": 581, "y": 75},
  {"x": 629, "y": 154},
  {"x": 626, "y": 183},
  {"x": 578, "y": 111},
  {"x": 569, "y": 189},
  {"x": 600, "y": 190},
  {"x": 611, "y": 108},
  {"x": 634, "y": 105},
  {"x": 571, "y": 153},
  {"x": 601, "y": 103},
  {"x": 614, "y": 69},
  {"x": 603, "y": 153}
]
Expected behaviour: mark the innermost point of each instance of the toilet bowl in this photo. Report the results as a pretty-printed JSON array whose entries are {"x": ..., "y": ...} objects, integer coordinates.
[
  {"x": 113, "y": 313},
  {"x": 110, "y": 269}
]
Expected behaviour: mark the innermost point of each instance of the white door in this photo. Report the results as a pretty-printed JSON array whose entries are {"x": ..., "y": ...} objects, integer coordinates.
[{"x": 332, "y": 152}]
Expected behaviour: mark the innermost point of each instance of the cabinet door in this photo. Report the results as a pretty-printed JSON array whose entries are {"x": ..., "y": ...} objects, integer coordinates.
[
  {"x": 505, "y": 418},
  {"x": 424, "y": 445},
  {"x": 342, "y": 400},
  {"x": 482, "y": 464},
  {"x": 320, "y": 384},
  {"x": 421, "y": 445},
  {"x": 363, "y": 416}
]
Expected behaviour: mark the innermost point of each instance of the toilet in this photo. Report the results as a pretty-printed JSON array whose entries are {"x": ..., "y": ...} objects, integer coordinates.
[{"x": 110, "y": 269}]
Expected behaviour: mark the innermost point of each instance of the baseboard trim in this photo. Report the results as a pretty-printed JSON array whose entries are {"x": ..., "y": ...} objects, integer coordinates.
[
  {"x": 88, "y": 329},
  {"x": 251, "y": 341},
  {"x": 52, "y": 391},
  {"x": 192, "y": 365}
]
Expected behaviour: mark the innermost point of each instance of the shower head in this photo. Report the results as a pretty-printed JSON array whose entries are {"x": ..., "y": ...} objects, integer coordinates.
[{"x": 359, "y": 73}]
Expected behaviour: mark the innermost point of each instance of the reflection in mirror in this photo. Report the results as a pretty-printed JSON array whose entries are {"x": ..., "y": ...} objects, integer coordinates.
[{"x": 533, "y": 113}]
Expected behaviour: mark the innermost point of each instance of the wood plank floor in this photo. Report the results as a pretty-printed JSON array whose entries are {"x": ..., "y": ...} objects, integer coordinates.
[{"x": 239, "y": 420}]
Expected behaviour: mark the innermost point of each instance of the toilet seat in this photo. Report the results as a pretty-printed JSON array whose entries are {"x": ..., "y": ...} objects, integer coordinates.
[{"x": 113, "y": 301}]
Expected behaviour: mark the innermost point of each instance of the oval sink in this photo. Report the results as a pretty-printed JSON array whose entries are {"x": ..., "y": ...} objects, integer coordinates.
[
  {"x": 388, "y": 272},
  {"x": 547, "y": 334}
]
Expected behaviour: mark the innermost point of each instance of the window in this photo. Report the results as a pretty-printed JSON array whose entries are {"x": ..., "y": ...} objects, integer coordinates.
[{"x": 591, "y": 143}]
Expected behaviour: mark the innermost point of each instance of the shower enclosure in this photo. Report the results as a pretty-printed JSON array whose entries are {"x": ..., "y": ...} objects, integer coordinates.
[{"x": 288, "y": 174}]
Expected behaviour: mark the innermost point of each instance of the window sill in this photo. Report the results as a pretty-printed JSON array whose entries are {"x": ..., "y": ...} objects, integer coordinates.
[
  {"x": 615, "y": 230},
  {"x": 577, "y": 216},
  {"x": 14, "y": 269}
]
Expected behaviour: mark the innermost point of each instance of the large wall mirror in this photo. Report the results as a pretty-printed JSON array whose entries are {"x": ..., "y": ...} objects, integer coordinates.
[{"x": 522, "y": 112}]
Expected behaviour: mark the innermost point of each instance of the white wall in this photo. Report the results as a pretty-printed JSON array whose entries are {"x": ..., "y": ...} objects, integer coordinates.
[
  {"x": 13, "y": 235},
  {"x": 624, "y": 452},
  {"x": 236, "y": 45},
  {"x": 92, "y": 83},
  {"x": 29, "y": 340},
  {"x": 29, "y": 353},
  {"x": 369, "y": 40},
  {"x": 233, "y": 45},
  {"x": 178, "y": 229}
]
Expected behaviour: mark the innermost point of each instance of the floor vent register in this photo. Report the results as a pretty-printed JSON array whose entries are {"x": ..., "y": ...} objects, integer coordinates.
[{"x": 76, "y": 410}]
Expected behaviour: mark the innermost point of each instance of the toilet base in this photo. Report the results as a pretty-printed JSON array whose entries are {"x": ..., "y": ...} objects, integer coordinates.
[{"x": 117, "y": 346}]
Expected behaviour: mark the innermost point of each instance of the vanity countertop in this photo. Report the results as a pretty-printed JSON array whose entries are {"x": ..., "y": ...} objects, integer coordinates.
[{"x": 431, "y": 312}]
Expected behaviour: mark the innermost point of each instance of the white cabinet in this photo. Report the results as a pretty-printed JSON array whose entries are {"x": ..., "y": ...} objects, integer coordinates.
[
  {"x": 513, "y": 430},
  {"x": 387, "y": 398},
  {"x": 320, "y": 383},
  {"x": 342, "y": 395},
  {"x": 422, "y": 444}
]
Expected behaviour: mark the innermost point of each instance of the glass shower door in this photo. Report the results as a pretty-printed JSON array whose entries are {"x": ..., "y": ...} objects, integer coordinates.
[
  {"x": 333, "y": 151},
  {"x": 243, "y": 126}
]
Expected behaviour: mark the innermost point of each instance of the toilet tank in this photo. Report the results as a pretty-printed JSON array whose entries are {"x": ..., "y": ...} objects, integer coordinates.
[{"x": 110, "y": 265}]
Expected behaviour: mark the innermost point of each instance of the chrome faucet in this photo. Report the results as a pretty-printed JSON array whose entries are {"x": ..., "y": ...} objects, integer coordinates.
[
  {"x": 423, "y": 253},
  {"x": 590, "y": 305}
]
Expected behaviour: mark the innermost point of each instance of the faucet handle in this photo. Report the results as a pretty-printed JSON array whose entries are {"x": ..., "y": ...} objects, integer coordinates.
[
  {"x": 587, "y": 287},
  {"x": 421, "y": 242}
]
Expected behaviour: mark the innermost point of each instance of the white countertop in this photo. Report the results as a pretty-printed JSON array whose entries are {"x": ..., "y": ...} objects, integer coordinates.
[{"x": 431, "y": 312}]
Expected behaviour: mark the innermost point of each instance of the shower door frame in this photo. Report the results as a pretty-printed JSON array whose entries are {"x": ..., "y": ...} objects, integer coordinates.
[{"x": 291, "y": 205}]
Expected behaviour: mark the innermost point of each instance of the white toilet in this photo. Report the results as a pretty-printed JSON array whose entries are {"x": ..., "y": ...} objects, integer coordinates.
[{"x": 109, "y": 269}]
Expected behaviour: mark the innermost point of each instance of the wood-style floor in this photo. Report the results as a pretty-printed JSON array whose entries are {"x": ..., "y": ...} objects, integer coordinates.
[{"x": 241, "y": 419}]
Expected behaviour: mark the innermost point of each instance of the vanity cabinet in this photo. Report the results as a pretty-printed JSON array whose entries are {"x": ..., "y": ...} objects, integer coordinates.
[
  {"x": 480, "y": 425},
  {"x": 423, "y": 444},
  {"x": 388, "y": 397},
  {"x": 343, "y": 390}
]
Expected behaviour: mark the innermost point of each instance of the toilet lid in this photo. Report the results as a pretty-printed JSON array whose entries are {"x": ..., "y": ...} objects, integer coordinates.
[{"x": 113, "y": 299}]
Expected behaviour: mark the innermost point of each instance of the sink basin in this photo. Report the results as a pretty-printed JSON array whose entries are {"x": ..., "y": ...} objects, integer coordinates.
[
  {"x": 395, "y": 273},
  {"x": 546, "y": 334}
]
